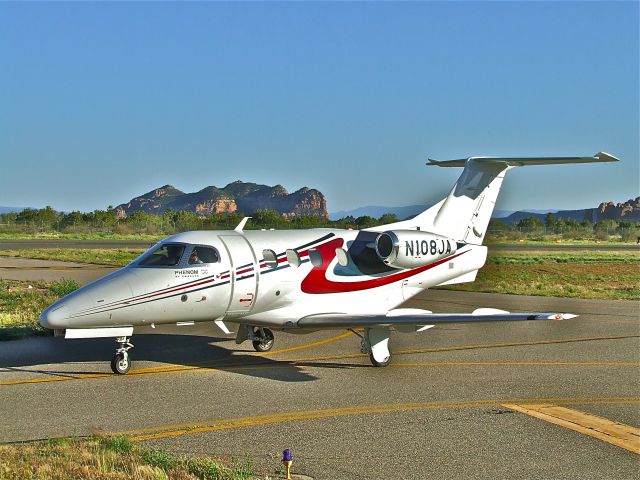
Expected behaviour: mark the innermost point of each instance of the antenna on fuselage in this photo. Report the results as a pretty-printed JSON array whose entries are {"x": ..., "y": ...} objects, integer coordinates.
[{"x": 241, "y": 225}]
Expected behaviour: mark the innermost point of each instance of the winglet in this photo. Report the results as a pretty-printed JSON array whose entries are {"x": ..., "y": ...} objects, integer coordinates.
[
  {"x": 606, "y": 157},
  {"x": 241, "y": 225}
]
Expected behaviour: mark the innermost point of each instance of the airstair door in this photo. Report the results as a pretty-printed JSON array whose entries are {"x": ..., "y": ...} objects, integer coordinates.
[{"x": 243, "y": 275}]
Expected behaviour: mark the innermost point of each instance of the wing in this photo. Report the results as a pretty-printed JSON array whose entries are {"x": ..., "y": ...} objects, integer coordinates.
[{"x": 416, "y": 317}]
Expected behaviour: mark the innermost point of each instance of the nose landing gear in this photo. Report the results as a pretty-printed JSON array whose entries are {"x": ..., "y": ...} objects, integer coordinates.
[{"x": 120, "y": 362}]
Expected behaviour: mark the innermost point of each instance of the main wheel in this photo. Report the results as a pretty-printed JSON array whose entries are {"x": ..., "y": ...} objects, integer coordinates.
[
  {"x": 120, "y": 363},
  {"x": 265, "y": 342},
  {"x": 376, "y": 363}
]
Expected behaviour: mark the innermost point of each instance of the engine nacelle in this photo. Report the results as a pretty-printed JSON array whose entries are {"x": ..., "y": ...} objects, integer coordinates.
[{"x": 412, "y": 248}]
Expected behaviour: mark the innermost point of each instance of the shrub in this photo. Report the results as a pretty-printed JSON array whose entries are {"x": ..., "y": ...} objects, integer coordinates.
[
  {"x": 116, "y": 444},
  {"x": 157, "y": 457},
  {"x": 64, "y": 287}
]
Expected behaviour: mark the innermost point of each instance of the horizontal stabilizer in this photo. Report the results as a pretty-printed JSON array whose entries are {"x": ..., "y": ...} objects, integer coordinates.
[
  {"x": 343, "y": 320},
  {"x": 525, "y": 161}
]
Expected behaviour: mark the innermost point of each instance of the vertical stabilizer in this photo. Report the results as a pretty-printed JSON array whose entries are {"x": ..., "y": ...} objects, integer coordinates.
[{"x": 465, "y": 213}]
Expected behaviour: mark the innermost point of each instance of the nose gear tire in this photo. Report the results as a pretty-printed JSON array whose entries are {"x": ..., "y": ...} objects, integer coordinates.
[{"x": 120, "y": 363}]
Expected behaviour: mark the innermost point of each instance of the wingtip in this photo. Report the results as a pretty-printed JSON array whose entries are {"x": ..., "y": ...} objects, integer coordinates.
[{"x": 606, "y": 157}]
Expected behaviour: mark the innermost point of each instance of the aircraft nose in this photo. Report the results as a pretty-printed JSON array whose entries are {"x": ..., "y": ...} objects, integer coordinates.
[
  {"x": 55, "y": 317},
  {"x": 58, "y": 315}
]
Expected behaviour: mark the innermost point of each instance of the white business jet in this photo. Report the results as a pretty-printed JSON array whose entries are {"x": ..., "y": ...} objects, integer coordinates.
[{"x": 299, "y": 281}]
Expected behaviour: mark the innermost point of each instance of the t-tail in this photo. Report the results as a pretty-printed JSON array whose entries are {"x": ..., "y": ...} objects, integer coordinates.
[{"x": 465, "y": 213}]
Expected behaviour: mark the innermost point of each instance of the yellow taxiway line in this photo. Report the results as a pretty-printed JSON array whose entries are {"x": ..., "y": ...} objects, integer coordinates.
[
  {"x": 227, "y": 365},
  {"x": 180, "y": 429},
  {"x": 286, "y": 364},
  {"x": 308, "y": 345},
  {"x": 619, "y": 434}
]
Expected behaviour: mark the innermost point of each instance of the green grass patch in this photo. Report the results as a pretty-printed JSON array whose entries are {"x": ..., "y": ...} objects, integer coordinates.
[
  {"x": 22, "y": 302},
  {"x": 550, "y": 241},
  {"x": 113, "y": 257},
  {"x": 613, "y": 280},
  {"x": 581, "y": 257},
  {"x": 101, "y": 458}
]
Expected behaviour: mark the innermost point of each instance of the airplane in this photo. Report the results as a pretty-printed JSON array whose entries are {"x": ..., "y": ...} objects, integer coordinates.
[{"x": 301, "y": 281}]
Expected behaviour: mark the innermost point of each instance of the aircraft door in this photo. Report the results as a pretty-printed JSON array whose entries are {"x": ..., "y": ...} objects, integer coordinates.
[{"x": 243, "y": 275}]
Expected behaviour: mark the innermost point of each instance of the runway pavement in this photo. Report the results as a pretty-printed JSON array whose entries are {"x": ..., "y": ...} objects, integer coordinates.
[
  {"x": 30, "y": 269},
  {"x": 438, "y": 411}
]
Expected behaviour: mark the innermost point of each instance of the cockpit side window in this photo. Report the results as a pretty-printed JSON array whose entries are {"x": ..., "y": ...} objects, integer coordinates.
[
  {"x": 200, "y": 255},
  {"x": 167, "y": 255}
]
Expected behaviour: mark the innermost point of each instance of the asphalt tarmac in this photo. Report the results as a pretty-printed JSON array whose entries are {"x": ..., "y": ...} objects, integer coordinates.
[
  {"x": 30, "y": 269},
  {"x": 438, "y": 411}
]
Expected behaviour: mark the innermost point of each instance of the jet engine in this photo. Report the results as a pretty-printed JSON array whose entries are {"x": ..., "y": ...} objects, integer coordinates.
[{"x": 412, "y": 248}]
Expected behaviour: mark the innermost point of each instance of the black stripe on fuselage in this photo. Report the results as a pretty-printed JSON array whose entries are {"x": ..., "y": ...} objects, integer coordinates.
[
  {"x": 133, "y": 299},
  {"x": 152, "y": 300}
]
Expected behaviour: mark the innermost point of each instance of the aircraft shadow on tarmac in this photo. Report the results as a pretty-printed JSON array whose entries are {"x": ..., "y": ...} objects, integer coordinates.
[{"x": 172, "y": 350}]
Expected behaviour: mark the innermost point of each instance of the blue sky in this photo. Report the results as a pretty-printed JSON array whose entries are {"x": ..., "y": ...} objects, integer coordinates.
[{"x": 101, "y": 102}]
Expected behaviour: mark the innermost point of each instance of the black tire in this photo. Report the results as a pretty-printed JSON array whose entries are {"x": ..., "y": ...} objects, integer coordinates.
[
  {"x": 264, "y": 344},
  {"x": 375, "y": 363},
  {"x": 120, "y": 363}
]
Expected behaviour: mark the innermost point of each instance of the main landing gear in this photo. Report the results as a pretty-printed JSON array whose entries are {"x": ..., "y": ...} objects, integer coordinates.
[
  {"x": 375, "y": 342},
  {"x": 120, "y": 363},
  {"x": 262, "y": 339}
]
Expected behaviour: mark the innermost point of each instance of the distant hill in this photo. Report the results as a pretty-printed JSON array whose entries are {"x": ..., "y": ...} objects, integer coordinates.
[
  {"x": 11, "y": 209},
  {"x": 627, "y": 211},
  {"x": 378, "y": 211},
  {"x": 238, "y": 196},
  {"x": 401, "y": 212}
]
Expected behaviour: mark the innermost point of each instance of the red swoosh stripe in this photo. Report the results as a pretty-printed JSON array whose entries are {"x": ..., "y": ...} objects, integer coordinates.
[{"x": 316, "y": 281}]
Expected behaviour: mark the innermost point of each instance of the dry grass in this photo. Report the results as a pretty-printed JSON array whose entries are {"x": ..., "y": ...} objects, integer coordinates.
[{"x": 106, "y": 458}]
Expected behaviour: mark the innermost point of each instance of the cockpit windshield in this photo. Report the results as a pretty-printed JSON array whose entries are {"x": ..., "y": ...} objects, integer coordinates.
[{"x": 166, "y": 255}]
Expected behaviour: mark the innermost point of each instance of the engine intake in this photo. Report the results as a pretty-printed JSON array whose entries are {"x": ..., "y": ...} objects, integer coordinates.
[{"x": 412, "y": 248}]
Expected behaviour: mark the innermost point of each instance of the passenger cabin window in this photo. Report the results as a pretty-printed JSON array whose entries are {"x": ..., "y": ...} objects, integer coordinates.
[
  {"x": 316, "y": 257},
  {"x": 167, "y": 255},
  {"x": 293, "y": 257},
  {"x": 200, "y": 255},
  {"x": 270, "y": 258}
]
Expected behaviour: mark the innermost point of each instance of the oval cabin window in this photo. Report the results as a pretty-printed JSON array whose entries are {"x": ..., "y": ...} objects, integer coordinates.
[
  {"x": 270, "y": 258},
  {"x": 316, "y": 257}
]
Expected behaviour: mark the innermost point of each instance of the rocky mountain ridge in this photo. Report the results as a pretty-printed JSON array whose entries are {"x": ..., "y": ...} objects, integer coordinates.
[
  {"x": 628, "y": 211},
  {"x": 237, "y": 196}
]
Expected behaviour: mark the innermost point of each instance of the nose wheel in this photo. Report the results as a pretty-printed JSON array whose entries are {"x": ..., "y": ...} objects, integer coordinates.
[
  {"x": 120, "y": 363},
  {"x": 262, "y": 339}
]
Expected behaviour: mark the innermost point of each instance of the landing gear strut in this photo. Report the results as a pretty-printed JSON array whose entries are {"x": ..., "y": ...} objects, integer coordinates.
[
  {"x": 120, "y": 363},
  {"x": 262, "y": 339},
  {"x": 375, "y": 342}
]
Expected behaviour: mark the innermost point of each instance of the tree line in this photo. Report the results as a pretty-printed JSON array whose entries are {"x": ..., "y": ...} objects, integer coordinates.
[
  {"x": 47, "y": 219},
  {"x": 32, "y": 220}
]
